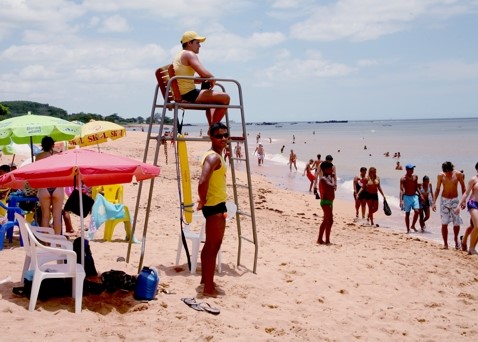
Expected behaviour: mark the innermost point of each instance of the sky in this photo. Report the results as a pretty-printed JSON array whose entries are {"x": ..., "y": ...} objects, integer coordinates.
[{"x": 296, "y": 60}]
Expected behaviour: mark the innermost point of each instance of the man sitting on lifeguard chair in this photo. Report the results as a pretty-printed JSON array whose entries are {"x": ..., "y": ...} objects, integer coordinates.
[{"x": 186, "y": 63}]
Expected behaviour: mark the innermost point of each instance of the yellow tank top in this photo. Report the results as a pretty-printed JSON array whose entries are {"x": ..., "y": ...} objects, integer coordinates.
[
  {"x": 185, "y": 86},
  {"x": 216, "y": 192}
]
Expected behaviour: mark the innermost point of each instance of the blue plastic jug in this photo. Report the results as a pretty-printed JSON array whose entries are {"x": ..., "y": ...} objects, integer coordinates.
[{"x": 146, "y": 284}]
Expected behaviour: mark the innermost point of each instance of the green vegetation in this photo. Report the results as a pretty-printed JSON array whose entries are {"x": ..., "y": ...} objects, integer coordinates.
[{"x": 10, "y": 109}]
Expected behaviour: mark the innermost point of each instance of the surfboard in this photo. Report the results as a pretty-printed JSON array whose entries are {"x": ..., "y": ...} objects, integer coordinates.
[{"x": 187, "y": 205}]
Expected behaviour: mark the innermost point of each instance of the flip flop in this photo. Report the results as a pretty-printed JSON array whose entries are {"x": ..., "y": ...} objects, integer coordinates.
[
  {"x": 200, "y": 306},
  {"x": 208, "y": 308},
  {"x": 191, "y": 302}
]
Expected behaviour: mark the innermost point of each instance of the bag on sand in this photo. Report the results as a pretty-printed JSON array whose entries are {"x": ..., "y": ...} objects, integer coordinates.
[
  {"x": 73, "y": 203},
  {"x": 386, "y": 208}
]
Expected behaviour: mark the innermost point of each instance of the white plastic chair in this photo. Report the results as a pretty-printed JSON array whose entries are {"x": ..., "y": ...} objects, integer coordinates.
[
  {"x": 47, "y": 235},
  {"x": 41, "y": 271},
  {"x": 198, "y": 238}
]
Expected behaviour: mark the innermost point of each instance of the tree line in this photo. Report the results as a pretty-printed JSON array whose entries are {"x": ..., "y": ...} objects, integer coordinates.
[{"x": 9, "y": 109}]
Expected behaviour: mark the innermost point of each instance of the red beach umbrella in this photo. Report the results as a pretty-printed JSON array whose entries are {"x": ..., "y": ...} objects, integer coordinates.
[{"x": 90, "y": 168}]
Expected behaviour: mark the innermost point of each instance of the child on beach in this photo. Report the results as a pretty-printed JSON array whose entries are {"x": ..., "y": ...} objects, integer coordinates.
[
  {"x": 327, "y": 195},
  {"x": 308, "y": 170}
]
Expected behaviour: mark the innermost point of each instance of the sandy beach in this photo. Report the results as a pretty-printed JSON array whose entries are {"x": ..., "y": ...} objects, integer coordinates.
[{"x": 369, "y": 285}]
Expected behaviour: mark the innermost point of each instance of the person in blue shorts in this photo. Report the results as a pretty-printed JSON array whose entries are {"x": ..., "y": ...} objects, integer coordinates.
[{"x": 409, "y": 191}]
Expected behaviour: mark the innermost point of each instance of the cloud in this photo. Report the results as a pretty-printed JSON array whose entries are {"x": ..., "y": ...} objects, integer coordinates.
[
  {"x": 52, "y": 17},
  {"x": 361, "y": 20},
  {"x": 115, "y": 23},
  {"x": 301, "y": 70}
]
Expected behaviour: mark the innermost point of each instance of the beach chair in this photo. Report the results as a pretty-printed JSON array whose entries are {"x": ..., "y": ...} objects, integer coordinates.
[
  {"x": 172, "y": 98},
  {"x": 41, "y": 271},
  {"x": 197, "y": 238},
  {"x": 6, "y": 228},
  {"x": 45, "y": 235}
]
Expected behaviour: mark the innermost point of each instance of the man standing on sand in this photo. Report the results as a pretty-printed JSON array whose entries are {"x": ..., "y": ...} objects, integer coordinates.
[
  {"x": 260, "y": 154},
  {"x": 186, "y": 63},
  {"x": 409, "y": 196},
  {"x": 327, "y": 193},
  {"x": 212, "y": 202},
  {"x": 449, "y": 178}
]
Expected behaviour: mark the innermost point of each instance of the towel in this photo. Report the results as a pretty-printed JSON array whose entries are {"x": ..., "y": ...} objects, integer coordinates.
[{"x": 103, "y": 211}]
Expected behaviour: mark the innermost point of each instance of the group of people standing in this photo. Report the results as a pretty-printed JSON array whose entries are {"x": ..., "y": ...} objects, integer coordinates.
[
  {"x": 420, "y": 198},
  {"x": 451, "y": 203}
]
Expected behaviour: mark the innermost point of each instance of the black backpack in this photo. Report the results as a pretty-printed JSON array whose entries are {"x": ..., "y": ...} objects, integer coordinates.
[{"x": 90, "y": 268}]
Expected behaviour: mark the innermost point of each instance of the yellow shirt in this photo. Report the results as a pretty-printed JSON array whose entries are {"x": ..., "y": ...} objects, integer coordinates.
[
  {"x": 216, "y": 192},
  {"x": 185, "y": 86}
]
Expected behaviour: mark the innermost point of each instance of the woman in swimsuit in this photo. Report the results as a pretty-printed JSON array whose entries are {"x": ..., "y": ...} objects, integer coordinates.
[
  {"x": 359, "y": 183},
  {"x": 51, "y": 199},
  {"x": 426, "y": 201},
  {"x": 371, "y": 188},
  {"x": 308, "y": 171}
]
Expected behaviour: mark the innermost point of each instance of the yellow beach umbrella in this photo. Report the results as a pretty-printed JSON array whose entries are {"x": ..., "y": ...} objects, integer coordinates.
[{"x": 98, "y": 132}]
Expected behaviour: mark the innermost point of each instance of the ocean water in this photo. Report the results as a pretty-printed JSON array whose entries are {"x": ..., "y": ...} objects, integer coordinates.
[{"x": 425, "y": 143}]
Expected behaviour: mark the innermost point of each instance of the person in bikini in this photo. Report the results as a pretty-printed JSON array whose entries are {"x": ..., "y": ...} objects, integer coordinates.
[
  {"x": 51, "y": 199},
  {"x": 327, "y": 195},
  {"x": 212, "y": 201},
  {"x": 360, "y": 201},
  {"x": 372, "y": 188},
  {"x": 471, "y": 194},
  {"x": 425, "y": 200},
  {"x": 309, "y": 172},
  {"x": 409, "y": 196},
  {"x": 186, "y": 63},
  {"x": 449, "y": 201}
]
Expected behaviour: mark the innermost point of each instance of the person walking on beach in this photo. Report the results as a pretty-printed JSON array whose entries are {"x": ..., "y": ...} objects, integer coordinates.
[
  {"x": 327, "y": 194},
  {"x": 449, "y": 201},
  {"x": 308, "y": 170},
  {"x": 238, "y": 152},
  {"x": 260, "y": 154},
  {"x": 212, "y": 201},
  {"x": 425, "y": 201},
  {"x": 471, "y": 194},
  {"x": 409, "y": 196},
  {"x": 292, "y": 160},
  {"x": 186, "y": 63},
  {"x": 360, "y": 200},
  {"x": 372, "y": 188}
]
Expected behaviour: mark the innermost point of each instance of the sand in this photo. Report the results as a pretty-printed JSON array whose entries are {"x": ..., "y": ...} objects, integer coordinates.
[{"x": 369, "y": 285}]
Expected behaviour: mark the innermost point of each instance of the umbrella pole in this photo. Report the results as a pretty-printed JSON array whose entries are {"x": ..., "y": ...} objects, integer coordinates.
[
  {"x": 82, "y": 225},
  {"x": 31, "y": 147}
]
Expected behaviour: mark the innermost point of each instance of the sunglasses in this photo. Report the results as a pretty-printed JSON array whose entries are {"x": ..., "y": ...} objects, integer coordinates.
[{"x": 220, "y": 136}]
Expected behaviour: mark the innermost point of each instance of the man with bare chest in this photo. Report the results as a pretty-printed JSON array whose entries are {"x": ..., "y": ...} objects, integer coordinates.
[
  {"x": 409, "y": 196},
  {"x": 450, "y": 179}
]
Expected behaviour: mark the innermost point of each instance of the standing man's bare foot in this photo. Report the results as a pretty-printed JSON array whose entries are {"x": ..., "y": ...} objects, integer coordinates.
[{"x": 214, "y": 293}]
